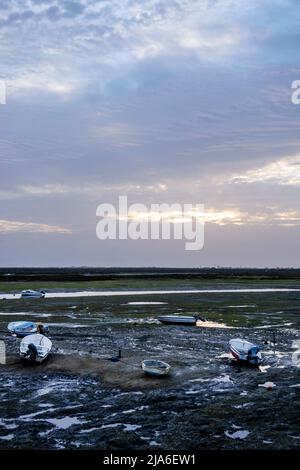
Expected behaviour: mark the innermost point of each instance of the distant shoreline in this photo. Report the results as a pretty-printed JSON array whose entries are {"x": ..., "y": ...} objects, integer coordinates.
[
  {"x": 51, "y": 280},
  {"x": 82, "y": 273}
]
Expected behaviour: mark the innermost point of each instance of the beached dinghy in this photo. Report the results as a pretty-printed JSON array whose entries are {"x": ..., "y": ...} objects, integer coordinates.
[
  {"x": 179, "y": 319},
  {"x": 35, "y": 348},
  {"x": 22, "y": 328},
  {"x": 155, "y": 368},
  {"x": 245, "y": 351},
  {"x": 25, "y": 328},
  {"x": 26, "y": 294}
]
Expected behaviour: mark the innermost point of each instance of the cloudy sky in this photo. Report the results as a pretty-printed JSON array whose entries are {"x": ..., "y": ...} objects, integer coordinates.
[{"x": 175, "y": 101}]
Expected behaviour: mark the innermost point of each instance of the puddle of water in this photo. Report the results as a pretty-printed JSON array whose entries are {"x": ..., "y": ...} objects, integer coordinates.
[
  {"x": 242, "y": 306},
  {"x": 132, "y": 427},
  {"x": 8, "y": 437},
  {"x": 7, "y": 426},
  {"x": 146, "y": 303},
  {"x": 237, "y": 434},
  {"x": 44, "y": 391},
  {"x": 224, "y": 379},
  {"x": 65, "y": 423},
  {"x": 200, "y": 380},
  {"x": 153, "y": 443},
  {"x": 32, "y": 415},
  {"x": 127, "y": 427},
  {"x": 87, "y": 431},
  {"x": 69, "y": 325},
  {"x": 244, "y": 405}
]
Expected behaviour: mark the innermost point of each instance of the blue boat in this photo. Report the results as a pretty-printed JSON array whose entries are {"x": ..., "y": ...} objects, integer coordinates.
[{"x": 24, "y": 328}]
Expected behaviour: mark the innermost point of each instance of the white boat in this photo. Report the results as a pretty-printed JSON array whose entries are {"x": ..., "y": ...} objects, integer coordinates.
[
  {"x": 245, "y": 351},
  {"x": 32, "y": 294},
  {"x": 155, "y": 368},
  {"x": 35, "y": 348}
]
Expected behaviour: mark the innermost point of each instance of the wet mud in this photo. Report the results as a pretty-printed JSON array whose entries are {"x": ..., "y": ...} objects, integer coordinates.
[{"x": 80, "y": 399}]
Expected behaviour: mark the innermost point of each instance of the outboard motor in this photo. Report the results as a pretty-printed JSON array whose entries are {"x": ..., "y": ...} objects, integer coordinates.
[
  {"x": 197, "y": 317},
  {"x": 43, "y": 330},
  {"x": 32, "y": 352},
  {"x": 253, "y": 356}
]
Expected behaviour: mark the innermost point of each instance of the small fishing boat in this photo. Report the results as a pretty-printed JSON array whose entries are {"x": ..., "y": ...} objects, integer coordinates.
[
  {"x": 35, "y": 348},
  {"x": 26, "y": 294},
  {"x": 25, "y": 328},
  {"x": 155, "y": 368},
  {"x": 180, "y": 319},
  {"x": 245, "y": 351}
]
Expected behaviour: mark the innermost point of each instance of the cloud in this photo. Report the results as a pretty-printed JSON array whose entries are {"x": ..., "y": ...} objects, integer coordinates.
[
  {"x": 285, "y": 171},
  {"x": 9, "y": 226},
  {"x": 86, "y": 189},
  {"x": 69, "y": 47},
  {"x": 289, "y": 217},
  {"x": 271, "y": 217},
  {"x": 103, "y": 40},
  {"x": 47, "y": 189},
  {"x": 163, "y": 100},
  {"x": 212, "y": 216},
  {"x": 43, "y": 80}
]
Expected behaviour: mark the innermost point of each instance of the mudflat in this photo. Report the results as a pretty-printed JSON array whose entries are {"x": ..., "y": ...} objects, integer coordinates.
[{"x": 80, "y": 398}]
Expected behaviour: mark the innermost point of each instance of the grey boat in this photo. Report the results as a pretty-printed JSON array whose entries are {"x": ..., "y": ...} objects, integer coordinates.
[{"x": 180, "y": 319}]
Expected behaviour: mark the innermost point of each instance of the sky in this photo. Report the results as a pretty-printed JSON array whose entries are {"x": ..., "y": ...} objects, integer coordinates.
[{"x": 164, "y": 101}]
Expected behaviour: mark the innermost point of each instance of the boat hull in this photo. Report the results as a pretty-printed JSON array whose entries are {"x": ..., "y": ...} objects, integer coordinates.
[
  {"x": 22, "y": 328},
  {"x": 32, "y": 295},
  {"x": 245, "y": 352},
  {"x": 178, "y": 320},
  {"x": 35, "y": 348},
  {"x": 37, "y": 360},
  {"x": 155, "y": 368},
  {"x": 25, "y": 328}
]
